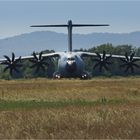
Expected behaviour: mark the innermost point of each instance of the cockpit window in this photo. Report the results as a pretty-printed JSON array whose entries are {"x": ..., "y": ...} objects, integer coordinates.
[{"x": 71, "y": 58}]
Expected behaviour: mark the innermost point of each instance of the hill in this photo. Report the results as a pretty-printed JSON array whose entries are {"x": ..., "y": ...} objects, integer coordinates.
[{"x": 25, "y": 44}]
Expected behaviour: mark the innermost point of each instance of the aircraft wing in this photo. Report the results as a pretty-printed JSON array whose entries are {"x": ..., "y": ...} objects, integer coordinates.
[
  {"x": 28, "y": 57},
  {"x": 83, "y": 54},
  {"x": 104, "y": 60},
  {"x": 43, "y": 55},
  {"x": 13, "y": 64}
]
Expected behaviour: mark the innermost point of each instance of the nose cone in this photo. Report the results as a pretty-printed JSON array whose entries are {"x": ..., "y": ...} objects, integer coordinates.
[{"x": 70, "y": 63}]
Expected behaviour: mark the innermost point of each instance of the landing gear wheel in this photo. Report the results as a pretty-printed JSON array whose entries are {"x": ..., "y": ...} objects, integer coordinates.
[
  {"x": 57, "y": 75},
  {"x": 84, "y": 76}
]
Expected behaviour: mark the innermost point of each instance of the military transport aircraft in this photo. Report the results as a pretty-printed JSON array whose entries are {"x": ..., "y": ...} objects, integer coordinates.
[{"x": 70, "y": 64}]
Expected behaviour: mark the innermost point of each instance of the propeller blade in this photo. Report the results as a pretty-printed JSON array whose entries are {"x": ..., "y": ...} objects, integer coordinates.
[
  {"x": 6, "y": 68},
  {"x": 123, "y": 60},
  {"x": 135, "y": 60},
  {"x": 35, "y": 56},
  {"x": 11, "y": 72},
  {"x": 32, "y": 60},
  {"x": 5, "y": 63},
  {"x": 106, "y": 67},
  {"x": 13, "y": 57},
  {"x": 108, "y": 57},
  {"x": 132, "y": 69},
  {"x": 129, "y": 62},
  {"x": 8, "y": 59},
  {"x": 126, "y": 56},
  {"x": 97, "y": 64},
  {"x": 103, "y": 61},
  {"x": 131, "y": 56},
  {"x": 39, "y": 62},
  {"x": 34, "y": 65},
  {"x": 136, "y": 65},
  {"x": 40, "y": 55},
  {"x": 101, "y": 68},
  {"x": 127, "y": 68},
  {"x": 104, "y": 54},
  {"x": 98, "y": 55},
  {"x": 43, "y": 68},
  {"x": 18, "y": 60},
  {"x": 123, "y": 65},
  {"x": 16, "y": 70},
  {"x": 97, "y": 60},
  {"x": 37, "y": 69},
  {"x": 45, "y": 63},
  {"x": 12, "y": 64},
  {"x": 109, "y": 63},
  {"x": 18, "y": 65}
]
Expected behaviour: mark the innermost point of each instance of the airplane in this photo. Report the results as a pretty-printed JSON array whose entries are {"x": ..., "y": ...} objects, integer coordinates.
[{"x": 70, "y": 63}]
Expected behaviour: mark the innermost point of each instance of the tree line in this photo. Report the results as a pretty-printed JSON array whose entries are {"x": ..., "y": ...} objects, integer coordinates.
[{"x": 114, "y": 68}]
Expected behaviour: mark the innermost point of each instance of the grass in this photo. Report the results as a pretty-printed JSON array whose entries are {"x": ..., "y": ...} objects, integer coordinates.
[
  {"x": 100, "y": 108},
  {"x": 6, "y": 105},
  {"x": 54, "y": 90}
]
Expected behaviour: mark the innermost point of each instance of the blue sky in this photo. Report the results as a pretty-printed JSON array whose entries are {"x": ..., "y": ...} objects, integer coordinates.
[{"x": 17, "y": 16}]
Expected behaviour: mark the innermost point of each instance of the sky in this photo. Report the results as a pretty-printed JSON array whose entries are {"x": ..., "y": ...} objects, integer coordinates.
[{"x": 17, "y": 16}]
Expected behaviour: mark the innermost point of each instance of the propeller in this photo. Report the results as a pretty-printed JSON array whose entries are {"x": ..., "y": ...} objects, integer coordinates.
[
  {"x": 12, "y": 64},
  {"x": 129, "y": 62},
  {"x": 38, "y": 62},
  {"x": 102, "y": 61}
]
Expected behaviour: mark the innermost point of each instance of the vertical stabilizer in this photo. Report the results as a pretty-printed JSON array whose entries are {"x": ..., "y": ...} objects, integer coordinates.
[{"x": 70, "y": 25}]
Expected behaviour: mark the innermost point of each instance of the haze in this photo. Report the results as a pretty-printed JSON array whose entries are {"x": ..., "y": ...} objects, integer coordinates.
[{"x": 17, "y": 16}]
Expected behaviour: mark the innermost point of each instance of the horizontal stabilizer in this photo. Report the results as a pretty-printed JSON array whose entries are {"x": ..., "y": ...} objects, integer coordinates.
[
  {"x": 73, "y": 25},
  {"x": 84, "y": 25},
  {"x": 62, "y": 25}
]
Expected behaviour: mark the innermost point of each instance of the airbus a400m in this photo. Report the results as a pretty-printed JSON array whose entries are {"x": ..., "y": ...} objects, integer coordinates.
[{"x": 70, "y": 64}]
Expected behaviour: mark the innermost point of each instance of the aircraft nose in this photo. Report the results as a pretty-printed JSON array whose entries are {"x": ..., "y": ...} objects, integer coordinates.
[{"x": 70, "y": 62}]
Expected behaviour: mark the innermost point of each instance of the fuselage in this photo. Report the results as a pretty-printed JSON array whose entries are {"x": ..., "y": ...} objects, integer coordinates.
[{"x": 70, "y": 64}]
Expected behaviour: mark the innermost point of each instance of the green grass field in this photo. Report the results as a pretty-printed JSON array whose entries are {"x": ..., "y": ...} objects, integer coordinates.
[{"x": 107, "y": 108}]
